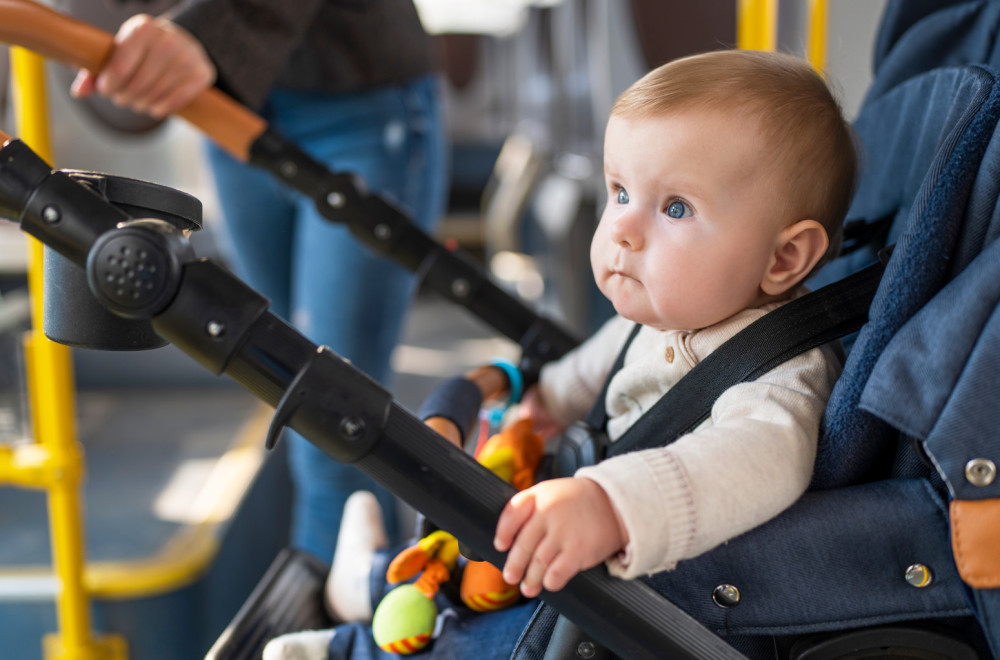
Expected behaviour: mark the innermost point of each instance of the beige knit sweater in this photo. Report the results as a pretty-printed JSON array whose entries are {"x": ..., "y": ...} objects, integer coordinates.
[{"x": 745, "y": 464}]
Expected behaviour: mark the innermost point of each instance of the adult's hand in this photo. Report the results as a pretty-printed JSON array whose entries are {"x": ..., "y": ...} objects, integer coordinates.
[{"x": 156, "y": 67}]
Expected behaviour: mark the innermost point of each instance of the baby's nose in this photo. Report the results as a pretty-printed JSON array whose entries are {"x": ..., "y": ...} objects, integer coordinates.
[{"x": 626, "y": 231}]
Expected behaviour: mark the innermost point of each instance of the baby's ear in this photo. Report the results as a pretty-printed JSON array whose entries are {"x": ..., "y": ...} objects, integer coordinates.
[{"x": 797, "y": 249}]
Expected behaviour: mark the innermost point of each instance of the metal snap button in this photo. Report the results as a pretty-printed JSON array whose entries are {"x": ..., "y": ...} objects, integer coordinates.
[
  {"x": 918, "y": 575},
  {"x": 980, "y": 471},
  {"x": 726, "y": 596}
]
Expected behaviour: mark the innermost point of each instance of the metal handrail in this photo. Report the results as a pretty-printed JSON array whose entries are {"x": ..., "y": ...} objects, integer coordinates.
[{"x": 55, "y": 461}]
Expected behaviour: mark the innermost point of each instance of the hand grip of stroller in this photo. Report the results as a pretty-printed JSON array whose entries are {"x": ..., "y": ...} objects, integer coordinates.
[{"x": 60, "y": 37}]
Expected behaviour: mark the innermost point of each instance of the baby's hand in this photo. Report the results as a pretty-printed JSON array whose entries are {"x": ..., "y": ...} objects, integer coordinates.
[{"x": 554, "y": 530}]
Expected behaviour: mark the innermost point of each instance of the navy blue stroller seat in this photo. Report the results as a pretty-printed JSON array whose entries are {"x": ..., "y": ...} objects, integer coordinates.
[
  {"x": 916, "y": 36},
  {"x": 898, "y": 16},
  {"x": 869, "y": 545}
]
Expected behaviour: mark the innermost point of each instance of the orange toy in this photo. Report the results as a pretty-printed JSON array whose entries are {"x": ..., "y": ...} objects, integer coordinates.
[
  {"x": 403, "y": 621},
  {"x": 513, "y": 455}
]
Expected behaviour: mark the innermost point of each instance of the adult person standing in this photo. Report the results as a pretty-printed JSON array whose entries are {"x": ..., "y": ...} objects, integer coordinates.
[{"x": 353, "y": 83}]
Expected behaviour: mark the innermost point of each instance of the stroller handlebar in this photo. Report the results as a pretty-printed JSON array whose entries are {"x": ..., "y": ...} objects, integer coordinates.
[
  {"x": 339, "y": 197},
  {"x": 63, "y": 38}
]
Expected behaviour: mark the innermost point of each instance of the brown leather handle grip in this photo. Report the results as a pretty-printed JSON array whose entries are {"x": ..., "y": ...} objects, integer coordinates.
[{"x": 60, "y": 37}]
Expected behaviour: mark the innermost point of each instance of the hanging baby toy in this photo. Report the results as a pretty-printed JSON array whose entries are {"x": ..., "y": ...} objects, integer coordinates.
[{"x": 404, "y": 621}]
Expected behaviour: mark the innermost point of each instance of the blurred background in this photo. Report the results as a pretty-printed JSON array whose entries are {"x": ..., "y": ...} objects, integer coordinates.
[{"x": 182, "y": 509}]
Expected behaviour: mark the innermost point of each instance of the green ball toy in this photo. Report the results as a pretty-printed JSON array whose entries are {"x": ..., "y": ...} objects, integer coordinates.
[{"x": 404, "y": 620}]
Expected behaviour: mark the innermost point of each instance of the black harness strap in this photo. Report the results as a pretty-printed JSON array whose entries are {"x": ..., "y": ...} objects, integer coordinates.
[
  {"x": 598, "y": 415},
  {"x": 585, "y": 442},
  {"x": 808, "y": 322}
]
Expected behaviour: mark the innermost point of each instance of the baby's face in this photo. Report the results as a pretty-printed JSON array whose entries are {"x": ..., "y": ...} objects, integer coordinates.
[{"x": 691, "y": 220}]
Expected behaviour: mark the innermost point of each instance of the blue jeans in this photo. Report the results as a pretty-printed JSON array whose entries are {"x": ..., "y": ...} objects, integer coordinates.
[{"x": 316, "y": 275}]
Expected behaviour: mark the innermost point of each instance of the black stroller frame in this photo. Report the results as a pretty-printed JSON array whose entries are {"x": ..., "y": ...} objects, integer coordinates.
[
  {"x": 226, "y": 326},
  {"x": 387, "y": 230}
]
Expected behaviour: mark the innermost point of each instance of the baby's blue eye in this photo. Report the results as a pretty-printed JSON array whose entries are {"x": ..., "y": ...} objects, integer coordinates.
[
  {"x": 622, "y": 196},
  {"x": 678, "y": 209}
]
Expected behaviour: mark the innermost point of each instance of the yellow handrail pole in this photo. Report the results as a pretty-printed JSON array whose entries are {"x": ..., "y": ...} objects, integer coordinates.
[
  {"x": 816, "y": 39},
  {"x": 757, "y": 24},
  {"x": 50, "y": 388}
]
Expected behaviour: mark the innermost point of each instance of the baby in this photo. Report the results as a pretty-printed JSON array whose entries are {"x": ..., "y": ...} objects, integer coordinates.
[{"x": 728, "y": 177}]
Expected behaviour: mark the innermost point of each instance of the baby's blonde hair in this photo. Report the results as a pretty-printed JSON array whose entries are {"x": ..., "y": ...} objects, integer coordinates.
[{"x": 800, "y": 122}]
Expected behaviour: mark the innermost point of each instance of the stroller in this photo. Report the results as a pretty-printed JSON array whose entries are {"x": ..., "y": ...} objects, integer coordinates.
[{"x": 894, "y": 547}]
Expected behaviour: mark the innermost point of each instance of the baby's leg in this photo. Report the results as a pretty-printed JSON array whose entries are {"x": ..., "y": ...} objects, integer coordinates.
[
  {"x": 305, "y": 645},
  {"x": 348, "y": 593},
  {"x": 362, "y": 532}
]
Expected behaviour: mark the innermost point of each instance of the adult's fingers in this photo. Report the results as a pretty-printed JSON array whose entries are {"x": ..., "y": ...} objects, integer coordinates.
[
  {"x": 83, "y": 85},
  {"x": 131, "y": 45},
  {"x": 172, "y": 94}
]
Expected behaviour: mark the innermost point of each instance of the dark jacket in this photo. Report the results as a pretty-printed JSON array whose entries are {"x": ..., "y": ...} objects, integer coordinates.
[{"x": 329, "y": 45}]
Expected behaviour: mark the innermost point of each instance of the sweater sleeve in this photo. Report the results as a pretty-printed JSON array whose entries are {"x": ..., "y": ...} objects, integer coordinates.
[
  {"x": 249, "y": 41},
  {"x": 569, "y": 386},
  {"x": 749, "y": 462}
]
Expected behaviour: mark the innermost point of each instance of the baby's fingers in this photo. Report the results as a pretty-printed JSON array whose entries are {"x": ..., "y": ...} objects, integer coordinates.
[
  {"x": 559, "y": 572},
  {"x": 536, "y": 576},
  {"x": 523, "y": 544},
  {"x": 517, "y": 512}
]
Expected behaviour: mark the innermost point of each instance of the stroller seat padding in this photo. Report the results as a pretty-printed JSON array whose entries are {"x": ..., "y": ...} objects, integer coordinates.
[
  {"x": 828, "y": 563},
  {"x": 946, "y": 399},
  {"x": 920, "y": 35},
  {"x": 940, "y": 122},
  {"x": 898, "y": 16}
]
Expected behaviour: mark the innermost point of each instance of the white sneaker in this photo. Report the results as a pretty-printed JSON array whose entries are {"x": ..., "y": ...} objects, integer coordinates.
[
  {"x": 304, "y": 645},
  {"x": 362, "y": 532}
]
